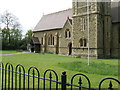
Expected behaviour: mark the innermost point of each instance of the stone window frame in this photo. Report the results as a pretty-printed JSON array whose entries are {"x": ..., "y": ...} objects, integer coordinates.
[
  {"x": 51, "y": 40},
  {"x": 83, "y": 42},
  {"x": 42, "y": 41},
  {"x": 67, "y": 34},
  {"x": 83, "y": 23}
]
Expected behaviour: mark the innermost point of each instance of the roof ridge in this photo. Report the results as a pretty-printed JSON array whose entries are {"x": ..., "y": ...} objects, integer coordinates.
[{"x": 58, "y": 11}]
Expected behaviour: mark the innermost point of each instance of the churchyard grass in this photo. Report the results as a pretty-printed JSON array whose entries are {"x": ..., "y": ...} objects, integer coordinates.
[{"x": 98, "y": 69}]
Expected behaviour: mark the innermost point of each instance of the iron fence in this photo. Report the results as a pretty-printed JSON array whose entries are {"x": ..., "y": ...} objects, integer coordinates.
[{"x": 17, "y": 79}]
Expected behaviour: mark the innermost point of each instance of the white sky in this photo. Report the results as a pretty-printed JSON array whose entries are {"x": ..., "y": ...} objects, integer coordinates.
[{"x": 29, "y": 12}]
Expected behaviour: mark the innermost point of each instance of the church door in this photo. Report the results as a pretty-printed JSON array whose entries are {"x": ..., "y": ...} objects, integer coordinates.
[
  {"x": 70, "y": 48},
  {"x": 37, "y": 48}
]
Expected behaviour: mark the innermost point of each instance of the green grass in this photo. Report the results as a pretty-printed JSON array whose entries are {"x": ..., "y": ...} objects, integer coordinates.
[
  {"x": 94, "y": 68},
  {"x": 98, "y": 69}
]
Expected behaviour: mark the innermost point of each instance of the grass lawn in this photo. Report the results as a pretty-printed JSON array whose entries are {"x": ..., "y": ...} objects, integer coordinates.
[{"x": 98, "y": 69}]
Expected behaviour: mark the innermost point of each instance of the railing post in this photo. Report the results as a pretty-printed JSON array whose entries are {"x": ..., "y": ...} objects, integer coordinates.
[{"x": 63, "y": 80}]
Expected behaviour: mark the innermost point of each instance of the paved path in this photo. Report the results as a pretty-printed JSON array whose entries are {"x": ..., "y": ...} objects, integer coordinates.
[{"x": 14, "y": 53}]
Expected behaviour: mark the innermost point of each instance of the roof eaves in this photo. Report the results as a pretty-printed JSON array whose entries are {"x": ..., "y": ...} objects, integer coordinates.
[{"x": 46, "y": 30}]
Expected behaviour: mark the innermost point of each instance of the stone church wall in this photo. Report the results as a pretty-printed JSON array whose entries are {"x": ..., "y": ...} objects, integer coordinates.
[
  {"x": 45, "y": 35},
  {"x": 79, "y": 33},
  {"x": 115, "y": 42},
  {"x": 63, "y": 41}
]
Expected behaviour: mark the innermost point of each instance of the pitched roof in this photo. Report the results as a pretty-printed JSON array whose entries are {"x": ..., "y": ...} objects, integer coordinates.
[
  {"x": 54, "y": 20},
  {"x": 35, "y": 40},
  {"x": 57, "y": 20}
]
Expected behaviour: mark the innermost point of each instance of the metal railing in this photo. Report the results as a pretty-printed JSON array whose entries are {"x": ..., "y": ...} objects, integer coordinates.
[{"x": 19, "y": 79}]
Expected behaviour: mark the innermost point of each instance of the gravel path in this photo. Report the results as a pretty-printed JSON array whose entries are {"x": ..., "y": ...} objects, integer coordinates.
[{"x": 14, "y": 53}]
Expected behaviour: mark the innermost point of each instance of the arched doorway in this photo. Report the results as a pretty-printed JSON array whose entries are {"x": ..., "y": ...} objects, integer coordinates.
[{"x": 70, "y": 48}]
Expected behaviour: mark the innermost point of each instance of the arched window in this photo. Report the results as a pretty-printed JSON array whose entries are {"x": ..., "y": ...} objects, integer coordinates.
[
  {"x": 67, "y": 33},
  {"x": 85, "y": 42},
  {"x": 42, "y": 41},
  {"x": 81, "y": 42},
  {"x": 53, "y": 41},
  {"x": 83, "y": 23},
  {"x": 49, "y": 40}
]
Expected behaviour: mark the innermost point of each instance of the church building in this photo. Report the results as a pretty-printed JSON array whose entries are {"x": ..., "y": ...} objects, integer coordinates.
[{"x": 87, "y": 28}]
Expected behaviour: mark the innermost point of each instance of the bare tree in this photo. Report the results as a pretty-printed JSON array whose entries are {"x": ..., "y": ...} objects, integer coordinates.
[
  {"x": 10, "y": 25},
  {"x": 10, "y": 21}
]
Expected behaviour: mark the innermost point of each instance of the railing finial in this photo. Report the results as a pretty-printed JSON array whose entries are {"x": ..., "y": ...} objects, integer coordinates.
[{"x": 110, "y": 86}]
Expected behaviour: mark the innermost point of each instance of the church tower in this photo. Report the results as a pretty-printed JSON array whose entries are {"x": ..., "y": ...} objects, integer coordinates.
[{"x": 91, "y": 28}]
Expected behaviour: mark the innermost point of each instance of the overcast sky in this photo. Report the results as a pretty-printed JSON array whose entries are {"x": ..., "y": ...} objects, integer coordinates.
[{"x": 29, "y": 12}]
